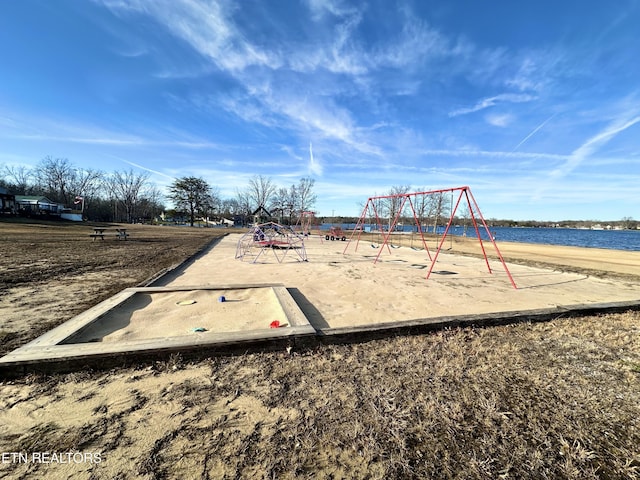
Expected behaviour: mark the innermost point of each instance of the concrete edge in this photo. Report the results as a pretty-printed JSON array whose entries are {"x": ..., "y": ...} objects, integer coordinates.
[
  {"x": 297, "y": 337},
  {"x": 54, "y": 348},
  {"x": 363, "y": 333}
]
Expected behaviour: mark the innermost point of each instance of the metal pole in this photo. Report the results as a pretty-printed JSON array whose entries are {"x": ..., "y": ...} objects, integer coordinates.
[
  {"x": 444, "y": 237},
  {"x": 493, "y": 242}
]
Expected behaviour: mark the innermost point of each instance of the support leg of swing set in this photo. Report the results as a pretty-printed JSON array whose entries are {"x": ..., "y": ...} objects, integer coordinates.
[
  {"x": 359, "y": 228},
  {"x": 444, "y": 237},
  {"x": 379, "y": 223},
  {"x": 475, "y": 225},
  {"x": 356, "y": 229},
  {"x": 506, "y": 269}
]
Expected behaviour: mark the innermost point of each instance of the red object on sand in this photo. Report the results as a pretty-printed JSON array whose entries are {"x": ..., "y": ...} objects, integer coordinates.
[{"x": 275, "y": 324}]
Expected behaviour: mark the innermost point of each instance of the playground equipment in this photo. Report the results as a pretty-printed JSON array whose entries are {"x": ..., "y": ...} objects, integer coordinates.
[
  {"x": 305, "y": 221},
  {"x": 271, "y": 237},
  {"x": 372, "y": 208},
  {"x": 335, "y": 233}
]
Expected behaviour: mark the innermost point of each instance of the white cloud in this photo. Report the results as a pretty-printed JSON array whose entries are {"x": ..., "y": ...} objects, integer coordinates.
[
  {"x": 500, "y": 120},
  {"x": 320, "y": 8},
  {"x": 492, "y": 101},
  {"x": 315, "y": 167},
  {"x": 141, "y": 167},
  {"x": 589, "y": 147},
  {"x": 207, "y": 28},
  {"x": 416, "y": 45}
]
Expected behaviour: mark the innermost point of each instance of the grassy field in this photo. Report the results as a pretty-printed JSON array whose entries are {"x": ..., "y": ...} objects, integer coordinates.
[{"x": 550, "y": 400}]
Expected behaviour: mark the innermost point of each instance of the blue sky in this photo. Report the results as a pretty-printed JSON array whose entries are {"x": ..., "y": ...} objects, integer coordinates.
[{"x": 534, "y": 105}]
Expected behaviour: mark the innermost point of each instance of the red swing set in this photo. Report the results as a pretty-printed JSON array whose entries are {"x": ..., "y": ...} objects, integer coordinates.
[{"x": 403, "y": 199}]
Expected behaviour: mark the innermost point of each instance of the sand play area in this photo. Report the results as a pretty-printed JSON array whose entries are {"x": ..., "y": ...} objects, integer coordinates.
[
  {"x": 342, "y": 288},
  {"x": 337, "y": 289},
  {"x": 150, "y": 315}
]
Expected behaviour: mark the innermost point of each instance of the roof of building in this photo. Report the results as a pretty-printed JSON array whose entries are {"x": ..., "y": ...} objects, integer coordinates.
[{"x": 34, "y": 199}]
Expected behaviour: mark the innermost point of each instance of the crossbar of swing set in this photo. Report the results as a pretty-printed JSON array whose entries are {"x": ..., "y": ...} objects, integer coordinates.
[{"x": 471, "y": 202}]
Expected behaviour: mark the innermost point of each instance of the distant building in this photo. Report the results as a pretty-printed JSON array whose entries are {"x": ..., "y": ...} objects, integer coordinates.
[
  {"x": 7, "y": 202},
  {"x": 36, "y": 205}
]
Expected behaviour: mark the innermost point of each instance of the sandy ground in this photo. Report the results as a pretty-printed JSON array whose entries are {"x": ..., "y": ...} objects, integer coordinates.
[
  {"x": 191, "y": 312},
  {"x": 338, "y": 289},
  {"x": 285, "y": 416}
]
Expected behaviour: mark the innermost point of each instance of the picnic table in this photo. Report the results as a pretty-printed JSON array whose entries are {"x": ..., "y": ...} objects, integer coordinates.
[
  {"x": 121, "y": 234},
  {"x": 97, "y": 233}
]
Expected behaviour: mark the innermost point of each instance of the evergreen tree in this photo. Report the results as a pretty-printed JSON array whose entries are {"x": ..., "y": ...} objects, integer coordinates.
[{"x": 191, "y": 195}]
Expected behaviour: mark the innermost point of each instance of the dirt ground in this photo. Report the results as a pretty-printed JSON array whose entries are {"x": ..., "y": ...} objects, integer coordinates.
[
  {"x": 50, "y": 272},
  {"x": 548, "y": 400}
]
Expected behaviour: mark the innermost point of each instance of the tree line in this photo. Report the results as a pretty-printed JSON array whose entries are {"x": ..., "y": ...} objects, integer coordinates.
[
  {"x": 130, "y": 196},
  {"x": 261, "y": 199}
]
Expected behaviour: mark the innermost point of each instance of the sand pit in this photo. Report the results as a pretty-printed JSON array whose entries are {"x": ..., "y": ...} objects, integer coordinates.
[
  {"x": 186, "y": 312},
  {"x": 151, "y": 322}
]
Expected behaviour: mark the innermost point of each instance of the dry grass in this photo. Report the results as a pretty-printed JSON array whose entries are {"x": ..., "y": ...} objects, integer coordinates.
[
  {"x": 547, "y": 400},
  {"x": 54, "y": 267}
]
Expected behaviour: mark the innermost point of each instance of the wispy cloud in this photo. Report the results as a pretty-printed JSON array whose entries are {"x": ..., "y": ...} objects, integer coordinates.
[
  {"x": 315, "y": 167},
  {"x": 141, "y": 167},
  {"x": 206, "y": 27},
  {"x": 584, "y": 151},
  {"x": 320, "y": 8},
  {"x": 62, "y": 130},
  {"x": 500, "y": 120},
  {"x": 492, "y": 101}
]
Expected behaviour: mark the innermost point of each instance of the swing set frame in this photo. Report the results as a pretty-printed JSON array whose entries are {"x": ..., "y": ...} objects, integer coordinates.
[{"x": 371, "y": 210}]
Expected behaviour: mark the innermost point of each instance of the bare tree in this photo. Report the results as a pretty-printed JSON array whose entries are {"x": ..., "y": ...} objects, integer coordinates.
[
  {"x": 438, "y": 207},
  {"x": 126, "y": 188},
  {"x": 260, "y": 191},
  {"x": 465, "y": 214},
  {"x": 627, "y": 222},
  {"x": 421, "y": 207},
  {"x": 230, "y": 207},
  {"x": 283, "y": 201},
  {"x": 151, "y": 204},
  {"x": 19, "y": 179},
  {"x": 87, "y": 184},
  {"x": 305, "y": 199},
  {"x": 244, "y": 203},
  {"x": 55, "y": 177},
  {"x": 394, "y": 203}
]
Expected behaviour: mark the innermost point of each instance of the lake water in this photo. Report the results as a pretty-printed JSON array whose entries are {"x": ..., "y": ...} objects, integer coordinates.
[{"x": 612, "y": 239}]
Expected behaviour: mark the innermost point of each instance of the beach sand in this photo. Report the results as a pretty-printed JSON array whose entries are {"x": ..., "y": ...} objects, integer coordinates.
[{"x": 341, "y": 285}]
